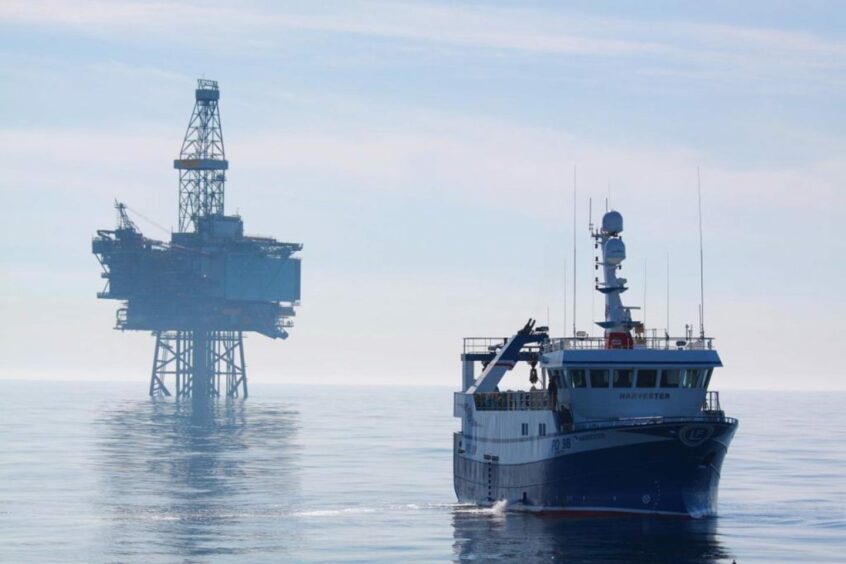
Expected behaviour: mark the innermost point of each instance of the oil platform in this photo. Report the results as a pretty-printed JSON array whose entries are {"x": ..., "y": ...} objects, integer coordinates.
[{"x": 210, "y": 284}]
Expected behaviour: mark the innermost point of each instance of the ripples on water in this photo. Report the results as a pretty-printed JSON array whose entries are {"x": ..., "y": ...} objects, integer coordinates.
[
  {"x": 177, "y": 480},
  {"x": 97, "y": 472}
]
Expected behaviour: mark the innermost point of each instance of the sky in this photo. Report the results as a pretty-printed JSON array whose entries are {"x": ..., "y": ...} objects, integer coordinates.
[{"x": 424, "y": 154}]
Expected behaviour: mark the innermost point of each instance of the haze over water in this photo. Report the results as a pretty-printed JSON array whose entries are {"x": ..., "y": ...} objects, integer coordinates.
[{"x": 98, "y": 472}]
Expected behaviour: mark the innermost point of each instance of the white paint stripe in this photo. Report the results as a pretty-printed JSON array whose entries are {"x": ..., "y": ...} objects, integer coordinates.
[{"x": 540, "y": 449}]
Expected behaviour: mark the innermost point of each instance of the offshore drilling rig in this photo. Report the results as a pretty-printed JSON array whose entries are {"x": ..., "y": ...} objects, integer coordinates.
[{"x": 200, "y": 292}]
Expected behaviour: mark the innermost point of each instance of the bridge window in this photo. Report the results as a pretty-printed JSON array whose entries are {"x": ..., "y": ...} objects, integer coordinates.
[
  {"x": 557, "y": 374},
  {"x": 689, "y": 378},
  {"x": 578, "y": 378},
  {"x": 670, "y": 378},
  {"x": 707, "y": 377},
  {"x": 623, "y": 378},
  {"x": 647, "y": 378},
  {"x": 524, "y": 429},
  {"x": 542, "y": 429},
  {"x": 599, "y": 378}
]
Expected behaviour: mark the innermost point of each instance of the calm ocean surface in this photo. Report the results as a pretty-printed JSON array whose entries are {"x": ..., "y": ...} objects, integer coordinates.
[{"x": 97, "y": 472}]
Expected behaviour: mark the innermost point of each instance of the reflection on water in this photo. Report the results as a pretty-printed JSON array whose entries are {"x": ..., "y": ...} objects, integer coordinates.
[
  {"x": 484, "y": 535},
  {"x": 188, "y": 477},
  {"x": 365, "y": 475}
]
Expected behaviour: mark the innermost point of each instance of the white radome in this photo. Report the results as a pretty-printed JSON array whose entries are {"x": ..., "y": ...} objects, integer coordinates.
[
  {"x": 615, "y": 251},
  {"x": 612, "y": 222}
]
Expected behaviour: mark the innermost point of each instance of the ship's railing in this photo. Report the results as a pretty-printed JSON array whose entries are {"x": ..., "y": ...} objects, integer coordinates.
[
  {"x": 652, "y": 343},
  {"x": 476, "y": 345},
  {"x": 539, "y": 400},
  {"x": 712, "y": 402},
  {"x": 481, "y": 345},
  {"x": 512, "y": 401}
]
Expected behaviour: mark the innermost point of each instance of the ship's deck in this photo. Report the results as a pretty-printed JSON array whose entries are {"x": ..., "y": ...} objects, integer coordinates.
[{"x": 539, "y": 400}]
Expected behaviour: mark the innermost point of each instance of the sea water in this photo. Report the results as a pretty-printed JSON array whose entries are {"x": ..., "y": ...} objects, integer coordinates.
[{"x": 98, "y": 472}]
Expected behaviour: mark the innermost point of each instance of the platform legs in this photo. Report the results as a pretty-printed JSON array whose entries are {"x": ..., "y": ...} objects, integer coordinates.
[{"x": 199, "y": 365}]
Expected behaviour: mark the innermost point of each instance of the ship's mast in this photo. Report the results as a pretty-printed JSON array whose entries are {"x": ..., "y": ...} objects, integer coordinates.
[{"x": 618, "y": 322}]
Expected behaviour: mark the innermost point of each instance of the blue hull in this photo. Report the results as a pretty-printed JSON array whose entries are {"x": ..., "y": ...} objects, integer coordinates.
[{"x": 665, "y": 476}]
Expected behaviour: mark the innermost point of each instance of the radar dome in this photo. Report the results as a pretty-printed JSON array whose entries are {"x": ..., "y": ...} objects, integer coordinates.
[
  {"x": 612, "y": 223},
  {"x": 615, "y": 250}
]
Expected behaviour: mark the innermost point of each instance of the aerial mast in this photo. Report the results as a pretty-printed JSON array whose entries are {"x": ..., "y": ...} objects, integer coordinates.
[
  {"x": 701, "y": 260},
  {"x": 618, "y": 322}
]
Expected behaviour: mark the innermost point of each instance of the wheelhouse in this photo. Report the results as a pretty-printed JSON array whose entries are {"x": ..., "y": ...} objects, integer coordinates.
[{"x": 646, "y": 381}]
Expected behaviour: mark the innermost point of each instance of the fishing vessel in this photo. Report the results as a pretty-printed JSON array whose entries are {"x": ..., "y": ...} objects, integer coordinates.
[{"x": 623, "y": 422}]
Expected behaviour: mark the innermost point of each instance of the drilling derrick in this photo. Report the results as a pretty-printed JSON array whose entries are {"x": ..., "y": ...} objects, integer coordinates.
[
  {"x": 202, "y": 161},
  {"x": 200, "y": 292}
]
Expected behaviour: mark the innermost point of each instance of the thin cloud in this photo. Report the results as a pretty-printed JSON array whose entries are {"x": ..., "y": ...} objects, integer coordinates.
[
  {"x": 494, "y": 29},
  {"x": 484, "y": 162}
]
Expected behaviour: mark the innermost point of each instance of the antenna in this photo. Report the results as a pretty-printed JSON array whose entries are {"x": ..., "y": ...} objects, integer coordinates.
[
  {"x": 608, "y": 199},
  {"x": 701, "y": 261},
  {"x": 590, "y": 215},
  {"x": 564, "y": 333},
  {"x": 575, "y": 285},
  {"x": 667, "y": 330},
  {"x": 592, "y": 294},
  {"x": 643, "y": 319}
]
